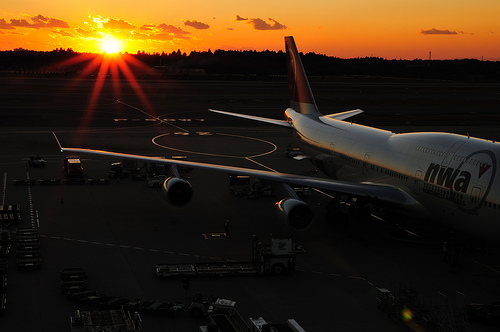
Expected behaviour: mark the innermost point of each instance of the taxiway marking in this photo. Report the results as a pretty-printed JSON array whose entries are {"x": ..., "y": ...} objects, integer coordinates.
[
  {"x": 122, "y": 246},
  {"x": 274, "y": 147},
  {"x": 4, "y": 189},
  {"x": 152, "y": 116}
]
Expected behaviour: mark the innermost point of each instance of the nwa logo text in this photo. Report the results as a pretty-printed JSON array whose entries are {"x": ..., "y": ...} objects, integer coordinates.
[{"x": 448, "y": 177}]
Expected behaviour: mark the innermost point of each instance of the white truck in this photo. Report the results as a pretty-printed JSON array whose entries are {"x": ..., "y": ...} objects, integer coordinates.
[{"x": 73, "y": 167}]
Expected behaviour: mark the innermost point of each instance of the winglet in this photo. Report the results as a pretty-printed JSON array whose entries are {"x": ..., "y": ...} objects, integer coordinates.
[{"x": 58, "y": 143}]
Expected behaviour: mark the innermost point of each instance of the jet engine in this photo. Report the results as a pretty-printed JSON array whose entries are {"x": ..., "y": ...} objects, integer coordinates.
[
  {"x": 177, "y": 191},
  {"x": 294, "y": 213}
]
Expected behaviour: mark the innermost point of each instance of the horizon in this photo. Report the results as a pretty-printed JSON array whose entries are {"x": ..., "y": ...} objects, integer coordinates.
[
  {"x": 390, "y": 29},
  {"x": 141, "y": 52}
]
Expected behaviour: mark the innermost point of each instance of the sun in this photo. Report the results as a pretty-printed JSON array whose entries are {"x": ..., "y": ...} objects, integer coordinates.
[{"x": 111, "y": 45}]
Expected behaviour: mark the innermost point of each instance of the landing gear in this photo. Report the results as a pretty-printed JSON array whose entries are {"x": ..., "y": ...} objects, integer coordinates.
[
  {"x": 340, "y": 212},
  {"x": 335, "y": 213}
]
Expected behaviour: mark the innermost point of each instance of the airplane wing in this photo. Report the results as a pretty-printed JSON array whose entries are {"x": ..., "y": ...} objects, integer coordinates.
[{"x": 372, "y": 191}]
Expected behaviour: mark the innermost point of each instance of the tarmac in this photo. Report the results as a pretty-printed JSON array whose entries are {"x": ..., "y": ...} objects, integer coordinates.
[{"x": 119, "y": 231}]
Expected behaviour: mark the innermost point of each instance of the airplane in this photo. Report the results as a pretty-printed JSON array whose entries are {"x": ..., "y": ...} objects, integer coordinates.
[{"x": 442, "y": 177}]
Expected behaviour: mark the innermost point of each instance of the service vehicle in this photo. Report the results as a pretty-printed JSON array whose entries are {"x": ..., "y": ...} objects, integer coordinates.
[
  {"x": 156, "y": 181},
  {"x": 73, "y": 167},
  {"x": 203, "y": 307},
  {"x": 277, "y": 257},
  {"x": 73, "y": 279},
  {"x": 118, "y": 171},
  {"x": 36, "y": 161},
  {"x": 28, "y": 248}
]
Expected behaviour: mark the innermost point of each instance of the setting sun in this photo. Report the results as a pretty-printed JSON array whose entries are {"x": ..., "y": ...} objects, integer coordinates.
[{"x": 111, "y": 45}]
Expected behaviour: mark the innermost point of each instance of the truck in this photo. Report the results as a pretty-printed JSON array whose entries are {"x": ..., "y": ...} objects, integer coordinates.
[
  {"x": 73, "y": 167},
  {"x": 36, "y": 161},
  {"x": 259, "y": 324},
  {"x": 156, "y": 181},
  {"x": 124, "y": 169},
  {"x": 201, "y": 307},
  {"x": 277, "y": 257},
  {"x": 248, "y": 187}
]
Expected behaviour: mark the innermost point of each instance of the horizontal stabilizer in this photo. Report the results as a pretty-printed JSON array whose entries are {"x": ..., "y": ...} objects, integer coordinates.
[
  {"x": 256, "y": 118},
  {"x": 344, "y": 115}
]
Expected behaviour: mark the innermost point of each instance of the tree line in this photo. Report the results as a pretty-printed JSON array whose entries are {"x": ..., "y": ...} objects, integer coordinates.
[{"x": 263, "y": 65}]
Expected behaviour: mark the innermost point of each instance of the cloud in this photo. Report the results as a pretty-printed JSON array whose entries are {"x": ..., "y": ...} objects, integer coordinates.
[
  {"x": 435, "y": 31},
  {"x": 196, "y": 25},
  {"x": 148, "y": 27},
  {"x": 87, "y": 34},
  {"x": 34, "y": 22},
  {"x": 124, "y": 30},
  {"x": 260, "y": 24},
  {"x": 176, "y": 31},
  {"x": 164, "y": 31},
  {"x": 48, "y": 22},
  {"x": 62, "y": 33},
  {"x": 5, "y": 25},
  {"x": 117, "y": 24}
]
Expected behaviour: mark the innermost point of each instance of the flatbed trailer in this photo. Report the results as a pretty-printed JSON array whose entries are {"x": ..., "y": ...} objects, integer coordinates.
[
  {"x": 278, "y": 257},
  {"x": 205, "y": 269}
]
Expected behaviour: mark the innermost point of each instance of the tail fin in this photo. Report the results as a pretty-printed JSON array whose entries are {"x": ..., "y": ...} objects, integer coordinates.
[{"x": 301, "y": 97}]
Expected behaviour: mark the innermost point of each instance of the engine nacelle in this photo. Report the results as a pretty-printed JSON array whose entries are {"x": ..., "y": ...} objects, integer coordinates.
[
  {"x": 294, "y": 213},
  {"x": 177, "y": 191}
]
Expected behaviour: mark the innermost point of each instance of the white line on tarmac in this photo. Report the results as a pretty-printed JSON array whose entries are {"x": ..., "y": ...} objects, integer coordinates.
[{"x": 4, "y": 189}]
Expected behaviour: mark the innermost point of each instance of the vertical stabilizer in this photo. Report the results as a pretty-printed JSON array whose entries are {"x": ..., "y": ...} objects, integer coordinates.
[{"x": 301, "y": 97}]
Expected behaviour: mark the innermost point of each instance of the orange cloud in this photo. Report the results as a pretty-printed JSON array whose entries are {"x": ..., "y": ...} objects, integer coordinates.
[
  {"x": 148, "y": 27},
  {"x": 62, "y": 33},
  {"x": 86, "y": 33},
  {"x": 5, "y": 25},
  {"x": 435, "y": 31},
  {"x": 165, "y": 31},
  {"x": 34, "y": 22},
  {"x": 260, "y": 24},
  {"x": 117, "y": 24},
  {"x": 196, "y": 25}
]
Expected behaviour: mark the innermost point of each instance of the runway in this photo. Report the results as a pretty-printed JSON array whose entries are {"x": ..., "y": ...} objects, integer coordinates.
[{"x": 119, "y": 231}]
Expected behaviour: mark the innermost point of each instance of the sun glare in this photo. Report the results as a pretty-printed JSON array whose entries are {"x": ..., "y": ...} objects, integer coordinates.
[{"x": 111, "y": 45}]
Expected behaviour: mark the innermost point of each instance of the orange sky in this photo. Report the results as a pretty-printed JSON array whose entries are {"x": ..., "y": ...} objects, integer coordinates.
[{"x": 391, "y": 29}]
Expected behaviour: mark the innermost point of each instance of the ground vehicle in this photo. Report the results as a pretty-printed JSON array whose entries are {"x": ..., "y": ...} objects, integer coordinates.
[
  {"x": 73, "y": 279},
  {"x": 73, "y": 166},
  {"x": 28, "y": 248},
  {"x": 277, "y": 257},
  {"x": 203, "y": 307},
  {"x": 117, "y": 171},
  {"x": 248, "y": 187},
  {"x": 36, "y": 161},
  {"x": 156, "y": 181}
]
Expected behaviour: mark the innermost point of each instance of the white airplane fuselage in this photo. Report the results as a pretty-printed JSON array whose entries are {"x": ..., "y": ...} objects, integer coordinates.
[{"x": 452, "y": 176}]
